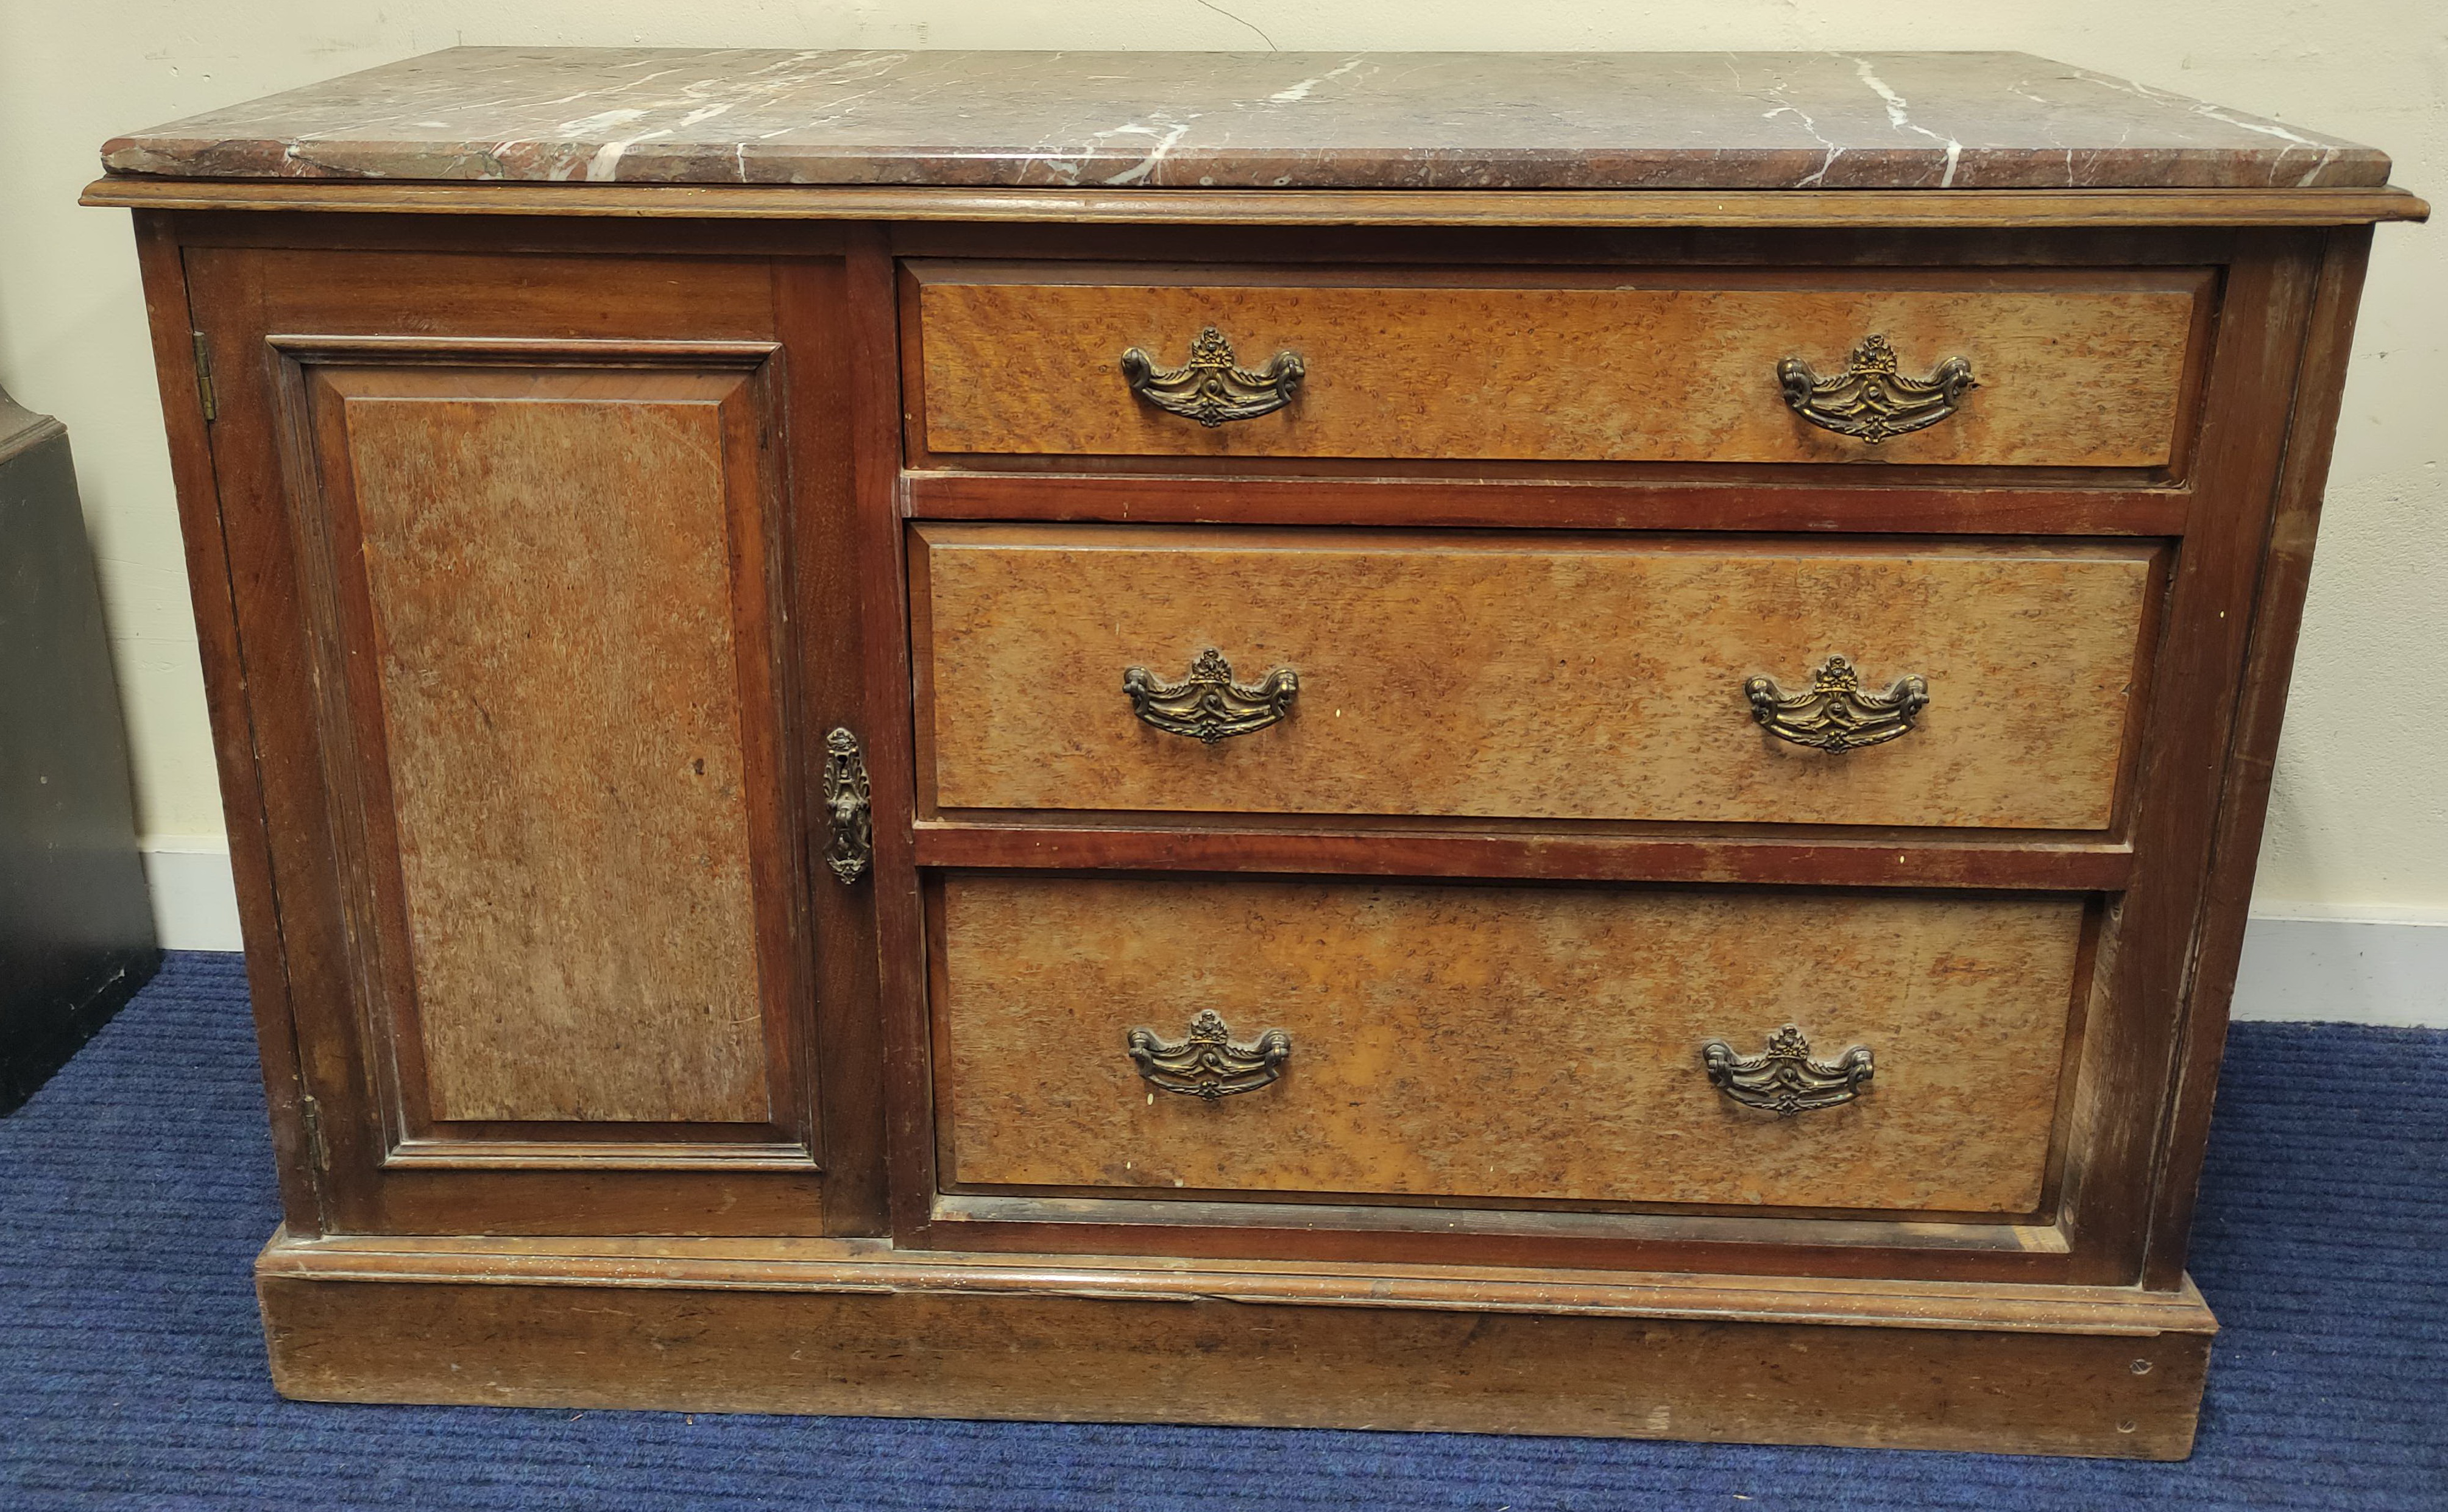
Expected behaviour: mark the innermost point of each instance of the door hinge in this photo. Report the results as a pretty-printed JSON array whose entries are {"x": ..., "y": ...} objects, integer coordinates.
[
  {"x": 204, "y": 377},
  {"x": 311, "y": 1113}
]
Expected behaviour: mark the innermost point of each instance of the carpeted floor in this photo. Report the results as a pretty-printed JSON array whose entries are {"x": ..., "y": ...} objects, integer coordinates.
[{"x": 136, "y": 1188}]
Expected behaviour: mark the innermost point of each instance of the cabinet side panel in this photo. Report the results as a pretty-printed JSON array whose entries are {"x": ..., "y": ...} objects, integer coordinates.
[{"x": 2244, "y": 804}]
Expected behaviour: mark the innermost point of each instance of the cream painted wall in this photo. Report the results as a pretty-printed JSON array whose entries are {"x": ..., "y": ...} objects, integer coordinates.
[{"x": 2359, "y": 826}]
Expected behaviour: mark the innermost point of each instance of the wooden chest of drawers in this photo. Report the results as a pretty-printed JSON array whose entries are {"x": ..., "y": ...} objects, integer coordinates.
[{"x": 1008, "y": 766}]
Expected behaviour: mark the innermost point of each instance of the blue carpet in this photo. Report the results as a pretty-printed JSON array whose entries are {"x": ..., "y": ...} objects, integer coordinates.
[{"x": 136, "y": 1189}]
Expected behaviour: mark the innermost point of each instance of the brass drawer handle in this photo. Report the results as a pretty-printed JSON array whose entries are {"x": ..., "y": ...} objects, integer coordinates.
[
  {"x": 1835, "y": 714},
  {"x": 1208, "y": 1065},
  {"x": 1210, "y": 388},
  {"x": 1785, "y": 1080},
  {"x": 847, "y": 808},
  {"x": 1208, "y": 703},
  {"x": 1871, "y": 400}
]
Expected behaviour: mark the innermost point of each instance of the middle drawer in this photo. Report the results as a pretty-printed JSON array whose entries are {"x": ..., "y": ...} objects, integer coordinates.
[{"x": 1527, "y": 676}]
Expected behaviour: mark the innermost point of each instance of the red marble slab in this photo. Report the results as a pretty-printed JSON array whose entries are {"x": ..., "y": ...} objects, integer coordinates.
[{"x": 1184, "y": 119}]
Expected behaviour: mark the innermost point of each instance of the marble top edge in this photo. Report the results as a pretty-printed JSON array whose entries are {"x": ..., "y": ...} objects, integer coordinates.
[{"x": 1240, "y": 120}]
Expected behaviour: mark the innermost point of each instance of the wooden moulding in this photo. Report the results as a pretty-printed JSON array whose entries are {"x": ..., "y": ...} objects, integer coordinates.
[
  {"x": 1810, "y": 502},
  {"x": 1366, "y": 847},
  {"x": 856, "y": 1328},
  {"x": 1536, "y": 207}
]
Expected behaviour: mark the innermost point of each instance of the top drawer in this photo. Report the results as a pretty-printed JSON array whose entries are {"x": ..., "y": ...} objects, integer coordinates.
[{"x": 2073, "y": 369}]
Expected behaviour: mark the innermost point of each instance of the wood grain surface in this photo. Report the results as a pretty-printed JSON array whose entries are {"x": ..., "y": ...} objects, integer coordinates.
[
  {"x": 1504, "y": 1043},
  {"x": 549, "y": 566},
  {"x": 1216, "y": 1362},
  {"x": 2073, "y": 371},
  {"x": 1525, "y": 676}
]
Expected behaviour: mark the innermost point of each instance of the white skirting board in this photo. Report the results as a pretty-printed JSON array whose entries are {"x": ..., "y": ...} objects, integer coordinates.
[
  {"x": 2370, "y": 965},
  {"x": 195, "y": 902}
]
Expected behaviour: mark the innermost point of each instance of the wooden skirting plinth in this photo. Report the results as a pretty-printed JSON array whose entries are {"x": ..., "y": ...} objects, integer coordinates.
[{"x": 858, "y": 1327}]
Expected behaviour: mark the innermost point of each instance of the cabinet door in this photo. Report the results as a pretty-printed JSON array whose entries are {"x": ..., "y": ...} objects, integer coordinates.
[{"x": 538, "y": 567}]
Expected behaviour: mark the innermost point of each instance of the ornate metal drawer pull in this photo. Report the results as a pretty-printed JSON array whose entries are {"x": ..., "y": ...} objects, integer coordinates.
[
  {"x": 1786, "y": 1081},
  {"x": 1835, "y": 714},
  {"x": 845, "y": 807},
  {"x": 1871, "y": 400},
  {"x": 1209, "y": 703},
  {"x": 1210, "y": 388},
  {"x": 1208, "y": 1065}
]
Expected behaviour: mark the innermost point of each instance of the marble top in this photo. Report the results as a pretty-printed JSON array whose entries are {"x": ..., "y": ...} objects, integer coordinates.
[{"x": 1189, "y": 120}]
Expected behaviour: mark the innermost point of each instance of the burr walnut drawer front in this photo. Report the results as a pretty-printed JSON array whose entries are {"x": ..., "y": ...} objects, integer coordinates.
[
  {"x": 2016, "y": 368},
  {"x": 1761, "y": 680},
  {"x": 1504, "y": 1043}
]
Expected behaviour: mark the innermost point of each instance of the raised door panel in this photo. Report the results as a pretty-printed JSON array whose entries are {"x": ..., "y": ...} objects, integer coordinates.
[
  {"x": 560, "y": 665},
  {"x": 549, "y": 651}
]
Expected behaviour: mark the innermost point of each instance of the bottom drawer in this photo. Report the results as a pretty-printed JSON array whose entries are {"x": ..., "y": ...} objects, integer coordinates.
[{"x": 1505, "y": 1044}]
